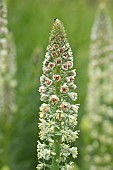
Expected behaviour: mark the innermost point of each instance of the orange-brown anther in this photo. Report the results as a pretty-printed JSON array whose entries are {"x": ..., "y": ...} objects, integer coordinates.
[
  {"x": 48, "y": 82},
  {"x": 58, "y": 61},
  {"x": 54, "y": 54},
  {"x": 56, "y": 77}
]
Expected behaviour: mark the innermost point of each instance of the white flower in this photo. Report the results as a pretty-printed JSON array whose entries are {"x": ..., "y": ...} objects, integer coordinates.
[
  {"x": 48, "y": 82},
  {"x": 46, "y": 154},
  {"x": 40, "y": 166},
  {"x": 43, "y": 97},
  {"x": 64, "y": 88},
  {"x": 75, "y": 108},
  {"x": 70, "y": 59},
  {"x": 54, "y": 99},
  {"x": 44, "y": 107},
  {"x": 51, "y": 65},
  {"x": 70, "y": 166},
  {"x": 73, "y": 86},
  {"x": 42, "y": 89},
  {"x": 72, "y": 95},
  {"x": 65, "y": 56},
  {"x": 42, "y": 115},
  {"x": 3, "y": 52},
  {"x": 74, "y": 151},
  {"x": 42, "y": 78},
  {"x": 54, "y": 54},
  {"x": 65, "y": 66},
  {"x": 70, "y": 64},
  {"x": 70, "y": 79},
  {"x": 66, "y": 46},
  {"x": 45, "y": 69},
  {"x": 56, "y": 77},
  {"x": 56, "y": 46},
  {"x": 47, "y": 56},
  {"x": 44, "y": 62},
  {"x": 59, "y": 115},
  {"x": 65, "y": 106},
  {"x": 70, "y": 52},
  {"x": 3, "y": 42},
  {"x": 3, "y": 21},
  {"x": 58, "y": 61},
  {"x": 13, "y": 83},
  {"x": 73, "y": 72},
  {"x": 72, "y": 119},
  {"x": 3, "y": 30}
]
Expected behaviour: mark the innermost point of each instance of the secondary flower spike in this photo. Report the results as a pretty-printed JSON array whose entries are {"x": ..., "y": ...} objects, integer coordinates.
[
  {"x": 99, "y": 150},
  {"x": 7, "y": 65},
  {"x": 58, "y": 112},
  {"x": 7, "y": 86}
]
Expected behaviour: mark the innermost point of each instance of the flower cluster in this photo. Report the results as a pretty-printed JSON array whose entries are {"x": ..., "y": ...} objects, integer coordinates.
[
  {"x": 100, "y": 95},
  {"x": 7, "y": 64},
  {"x": 58, "y": 113}
]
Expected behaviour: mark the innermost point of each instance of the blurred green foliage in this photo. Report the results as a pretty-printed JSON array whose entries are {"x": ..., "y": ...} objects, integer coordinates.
[{"x": 31, "y": 21}]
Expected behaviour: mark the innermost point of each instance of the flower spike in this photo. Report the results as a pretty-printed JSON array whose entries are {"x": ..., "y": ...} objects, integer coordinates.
[
  {"x": 58, "y": 113},
  {"x": 100, "y": 95}
]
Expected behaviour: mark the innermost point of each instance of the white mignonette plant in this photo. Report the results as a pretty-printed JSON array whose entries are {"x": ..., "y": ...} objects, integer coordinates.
[
  {"x": 7, "y": 64},
  {"x": 100, "y": 95},
  {"x": 7, "y": 84},
  {"x": 58, "y": 112}
]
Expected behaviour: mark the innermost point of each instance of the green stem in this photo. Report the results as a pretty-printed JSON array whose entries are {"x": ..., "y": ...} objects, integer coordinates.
[
  {"x": 6, "y": 126},
  {"x": 57, "y": 136},
  {"x": 5, "y": 156},
  {"x": 55, "y": 161}
]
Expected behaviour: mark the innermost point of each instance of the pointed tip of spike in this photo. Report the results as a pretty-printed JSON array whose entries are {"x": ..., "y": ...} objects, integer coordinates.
[
  {"x": 102, "y": 5},
  {"x": 55, "y": 19},
  {"x": 57, "y": 24}
]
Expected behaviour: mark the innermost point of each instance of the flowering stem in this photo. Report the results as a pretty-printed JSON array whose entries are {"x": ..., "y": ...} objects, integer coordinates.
[
  {"x": 7, "y": 83},
  {"x": 57, "y": 138},
  {"x": 5, "y": 141},
  {"x": 57, "y": 116},
  {"x": 55, "y": 161},
  {"x": 98, "y": 103}
]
